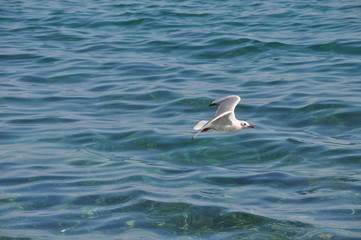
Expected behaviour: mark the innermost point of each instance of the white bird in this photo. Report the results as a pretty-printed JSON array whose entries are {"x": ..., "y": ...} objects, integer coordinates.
[{"x": 224, "y": 120}]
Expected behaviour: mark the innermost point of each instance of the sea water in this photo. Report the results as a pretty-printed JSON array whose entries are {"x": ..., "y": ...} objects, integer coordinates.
[{"x": 98, "y": 100}]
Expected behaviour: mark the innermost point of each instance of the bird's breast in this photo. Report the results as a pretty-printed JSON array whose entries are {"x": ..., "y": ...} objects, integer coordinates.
[{"x": 225, "y": 128}]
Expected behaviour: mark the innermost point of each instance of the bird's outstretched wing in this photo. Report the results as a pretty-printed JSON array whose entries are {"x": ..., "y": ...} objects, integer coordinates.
[
  {"x": 220, "y": 119},
  {"x": 226, "y": 104}
]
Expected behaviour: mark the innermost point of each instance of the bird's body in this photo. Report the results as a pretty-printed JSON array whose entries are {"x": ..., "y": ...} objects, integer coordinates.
[{"x": 224, "y": 119}]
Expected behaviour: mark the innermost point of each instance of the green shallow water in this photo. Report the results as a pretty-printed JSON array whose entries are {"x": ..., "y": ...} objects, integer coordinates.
[{"x": 98, "y": 100}]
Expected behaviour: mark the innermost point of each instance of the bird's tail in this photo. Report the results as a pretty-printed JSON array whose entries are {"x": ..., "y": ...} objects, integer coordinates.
[
  {"x": 199, "y": 127},
  {"x": 195, "y": 135}
]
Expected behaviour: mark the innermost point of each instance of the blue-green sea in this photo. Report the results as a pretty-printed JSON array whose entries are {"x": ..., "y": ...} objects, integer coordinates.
[{"x": 98, "y": 99}]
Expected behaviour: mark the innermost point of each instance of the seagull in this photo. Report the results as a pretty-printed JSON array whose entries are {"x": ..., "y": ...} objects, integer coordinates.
[{"x": 224, "y": 120}]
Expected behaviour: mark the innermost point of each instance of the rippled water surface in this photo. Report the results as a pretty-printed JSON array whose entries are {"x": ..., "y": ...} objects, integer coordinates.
[{"x": 98, "y": 100}]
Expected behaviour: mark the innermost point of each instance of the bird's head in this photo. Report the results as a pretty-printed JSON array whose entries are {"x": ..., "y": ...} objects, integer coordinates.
[{"x": 245, "y": 124}]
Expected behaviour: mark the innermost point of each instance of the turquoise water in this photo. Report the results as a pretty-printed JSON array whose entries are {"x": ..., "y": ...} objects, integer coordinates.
[{"x": 98, "y": 100}]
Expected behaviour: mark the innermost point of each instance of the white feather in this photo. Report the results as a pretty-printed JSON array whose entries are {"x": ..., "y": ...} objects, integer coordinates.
[{"x": 200, "y": 124}]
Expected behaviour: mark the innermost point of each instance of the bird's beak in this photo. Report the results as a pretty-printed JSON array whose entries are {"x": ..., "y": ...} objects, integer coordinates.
[{"x": 251, "y": 126}]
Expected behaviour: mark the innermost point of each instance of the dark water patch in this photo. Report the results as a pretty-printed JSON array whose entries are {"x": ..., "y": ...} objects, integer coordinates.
[
  {"x": 85, "y": 163},
  {"x": 48, "y": 60},
  {"x": 13, "y": 58},
  {"x": 107, "y": 199},
  {"x": 61, "y": 36},
  {"x": 349, "y": 48},
  {"x": 41, "y": 121},
  {"x": 124, "y": 5},
  {"x": 271, "y": 178},
  {"x": 4, "y": 237},
  {"x": 6, "y": 136},
  {"x": 230, "y": 53},
  {"x": 64, "y": 99}
]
